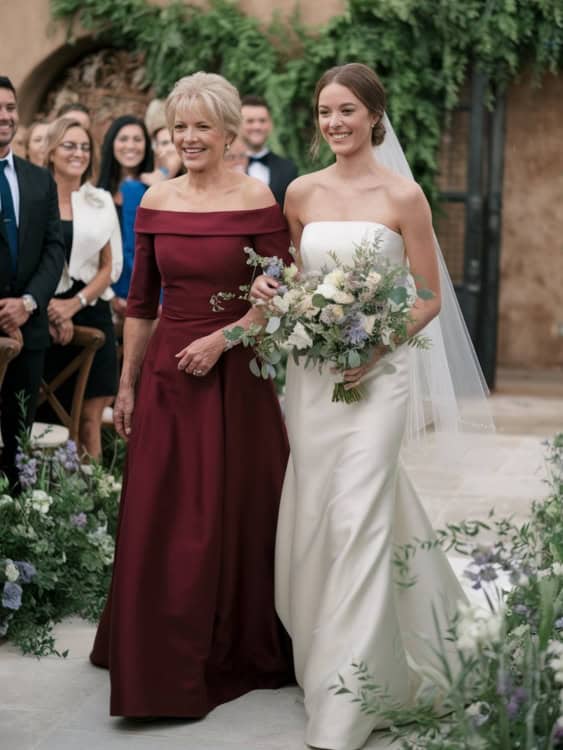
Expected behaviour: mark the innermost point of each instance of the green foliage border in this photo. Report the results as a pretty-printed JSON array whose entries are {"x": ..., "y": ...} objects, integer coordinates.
[{"x": 422, "y": 49}]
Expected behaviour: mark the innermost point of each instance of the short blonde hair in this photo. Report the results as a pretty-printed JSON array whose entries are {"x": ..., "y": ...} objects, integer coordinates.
[{"x": 216, "y": 95}]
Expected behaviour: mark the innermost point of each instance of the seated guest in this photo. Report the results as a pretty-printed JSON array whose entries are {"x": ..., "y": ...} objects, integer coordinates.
[
  {"x": 167, "y": 163},
  {"x": 236, "y": 155},
  {"x": 77, "y": 112},
  {"x": 35, "y": 146},
  {"x": 94, "y": 259},
  {"x": 266, "y": 166},
  {"x": 31, "y": 262},
  {"x": 19, "y": 144},
  {"x": 126, "y": 157}
]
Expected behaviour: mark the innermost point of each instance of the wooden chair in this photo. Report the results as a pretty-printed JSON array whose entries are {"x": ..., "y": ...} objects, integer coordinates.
[
  {"x": 50, "y": 436},
  {"x": 9, "y": 348}
]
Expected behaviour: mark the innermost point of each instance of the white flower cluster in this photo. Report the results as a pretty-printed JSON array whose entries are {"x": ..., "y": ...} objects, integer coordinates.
[
  {"x": 11, "y": 572},
  {"x": 477, "y": 627},
  {"x": 104, "y": 542},
  {"x": 555, "y": 651},
  {"x": 40, "y": 501}
]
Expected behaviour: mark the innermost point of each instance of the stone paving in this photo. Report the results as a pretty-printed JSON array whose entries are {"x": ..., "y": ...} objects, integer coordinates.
[{"x": 62, "y": 704}]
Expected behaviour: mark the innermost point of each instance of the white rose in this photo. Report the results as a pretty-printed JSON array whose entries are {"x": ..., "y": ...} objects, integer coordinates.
[
  {"x": 557, "y": 568},
  {"x": 335, "y": 278},
  {"x": 373, "y": 280},
  {"x": 11, "y": 572},
  {"x": 299, "y": 337},
  {"x": 343, "y": 298},
  {"x": 328, "y": 291}
]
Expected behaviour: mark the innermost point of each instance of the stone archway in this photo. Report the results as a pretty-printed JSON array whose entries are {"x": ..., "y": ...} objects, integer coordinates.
[{"x": 109, "y": 82}]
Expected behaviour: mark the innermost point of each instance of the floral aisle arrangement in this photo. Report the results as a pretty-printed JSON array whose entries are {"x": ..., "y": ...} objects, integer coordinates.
[
  {"x": 508, "y": 694},
  {"x": 56, "y": 545},
  {"x": 335, "y": 317}
]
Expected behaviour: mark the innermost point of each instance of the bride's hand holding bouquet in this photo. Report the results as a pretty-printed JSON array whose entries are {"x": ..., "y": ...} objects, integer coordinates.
[{"x": 345, "y": 316}]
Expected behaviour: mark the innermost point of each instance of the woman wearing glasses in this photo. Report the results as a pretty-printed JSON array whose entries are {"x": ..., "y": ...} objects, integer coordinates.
[{"x": 94, "y": 260}]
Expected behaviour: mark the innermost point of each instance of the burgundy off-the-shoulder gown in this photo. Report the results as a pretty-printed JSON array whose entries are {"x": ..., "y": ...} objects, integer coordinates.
[{"x": 190, "y": 620}]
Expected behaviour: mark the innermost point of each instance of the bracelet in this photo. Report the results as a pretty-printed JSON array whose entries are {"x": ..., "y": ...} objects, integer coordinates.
[{"x": 82, "y": 299}]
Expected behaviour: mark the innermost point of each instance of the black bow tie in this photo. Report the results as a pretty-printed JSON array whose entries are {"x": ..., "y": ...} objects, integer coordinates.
[{"x": 262, "y": 159}]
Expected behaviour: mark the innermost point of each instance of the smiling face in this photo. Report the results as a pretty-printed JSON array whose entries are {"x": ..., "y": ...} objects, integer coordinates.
[
  {"x": 163, "y": 145},
  {"x": 129, "y": 147},
  {"x": 37, "y": 140},
  {"x": 344, "y": 121},
  {"x": 256, "y": 126},
  {"x": 199, "y": 139},
  {"x": 8, "y": 119},
  {"x": 71, "y": 157}
]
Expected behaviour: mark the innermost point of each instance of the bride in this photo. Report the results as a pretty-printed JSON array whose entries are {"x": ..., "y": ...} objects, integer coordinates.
[{"x": 347, "y": 500}]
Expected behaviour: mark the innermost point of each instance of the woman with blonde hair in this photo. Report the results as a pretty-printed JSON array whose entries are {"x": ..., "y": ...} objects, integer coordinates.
[
  {"x": 93, "y": 261},
  {"x": 35, "y": 141},
  {"x": 190, "y": 622}
]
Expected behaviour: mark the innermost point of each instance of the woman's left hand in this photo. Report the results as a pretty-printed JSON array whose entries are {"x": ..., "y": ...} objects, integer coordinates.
[
  {"x": 201, "y": 355},
  {"x": 353, "y": 377},
  {"x": 61, "y": 310}
]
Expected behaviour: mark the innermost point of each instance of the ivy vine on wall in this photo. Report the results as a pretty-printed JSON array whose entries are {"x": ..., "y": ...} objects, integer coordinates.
[{"x": 422, "y": 49}]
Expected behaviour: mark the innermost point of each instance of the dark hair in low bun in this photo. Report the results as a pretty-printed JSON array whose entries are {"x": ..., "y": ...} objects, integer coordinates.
[{"x": 364, "y": 83}]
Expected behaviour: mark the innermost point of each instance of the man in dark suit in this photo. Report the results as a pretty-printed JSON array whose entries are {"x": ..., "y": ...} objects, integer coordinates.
[
  {"x": 263, "y": 164},
  {"x": 31, "y": 262}
]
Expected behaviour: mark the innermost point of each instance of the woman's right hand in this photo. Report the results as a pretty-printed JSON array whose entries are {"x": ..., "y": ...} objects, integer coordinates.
[
  {"x": 123, "y": 410},
  {"x": 264, "y": 288},
  {"x": 119, "y": 306}
]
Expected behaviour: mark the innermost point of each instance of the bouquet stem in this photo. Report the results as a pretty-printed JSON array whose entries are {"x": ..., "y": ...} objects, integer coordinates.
[{"x": 351, "y": 396}]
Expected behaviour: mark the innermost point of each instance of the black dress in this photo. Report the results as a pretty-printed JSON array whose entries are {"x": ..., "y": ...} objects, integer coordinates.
[{"x": 102, "y": 380}]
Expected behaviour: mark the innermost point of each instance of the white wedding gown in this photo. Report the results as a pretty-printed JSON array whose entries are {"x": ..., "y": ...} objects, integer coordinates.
[{"x": 347, "y": 501}]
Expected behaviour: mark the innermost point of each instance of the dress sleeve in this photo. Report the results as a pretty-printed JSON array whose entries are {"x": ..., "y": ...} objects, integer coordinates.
[
  {"x": 144, "y": 293},
  {"x": 272, "y": 243}
]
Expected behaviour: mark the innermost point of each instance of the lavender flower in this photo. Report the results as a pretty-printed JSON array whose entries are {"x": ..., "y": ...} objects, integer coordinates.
[
  {"x": 559, "y": 624},
  {"x": 521, "y": 609},
  {"x": 354, "y": 333},
  {"x": 79, "y": 520},
  {"x": 26, "y": 570},
  {"x": 67, "y": 456},
  {"x": 274, "y": 269},
  {"x": 27, "y": 470},
  {"x": 12, "y": 595}
]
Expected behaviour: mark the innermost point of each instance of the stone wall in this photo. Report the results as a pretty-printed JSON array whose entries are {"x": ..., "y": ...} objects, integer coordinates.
[{"x": 531, "y": 288}]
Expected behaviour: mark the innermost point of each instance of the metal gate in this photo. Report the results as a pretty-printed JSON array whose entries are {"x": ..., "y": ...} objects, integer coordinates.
[{"x": 468, "y": 223}]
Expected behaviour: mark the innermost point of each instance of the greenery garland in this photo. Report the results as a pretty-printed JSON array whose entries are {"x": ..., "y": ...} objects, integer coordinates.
[{"x": 423, "y": 50}]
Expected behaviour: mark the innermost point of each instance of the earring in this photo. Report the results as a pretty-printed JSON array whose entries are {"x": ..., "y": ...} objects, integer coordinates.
[{"x": 227, "y": 146}]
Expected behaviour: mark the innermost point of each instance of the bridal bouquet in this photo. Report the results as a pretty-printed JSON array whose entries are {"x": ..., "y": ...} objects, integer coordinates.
[{"x": 334, "y": 317}]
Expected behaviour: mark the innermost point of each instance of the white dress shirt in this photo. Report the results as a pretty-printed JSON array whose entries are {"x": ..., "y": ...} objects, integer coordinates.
[
  {"x": 11, "y": 176},
  {"x": 258, "y": 170}
]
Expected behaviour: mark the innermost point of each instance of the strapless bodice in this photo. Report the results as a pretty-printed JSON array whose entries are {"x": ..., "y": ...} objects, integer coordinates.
[{"x": 319, "y": 238}]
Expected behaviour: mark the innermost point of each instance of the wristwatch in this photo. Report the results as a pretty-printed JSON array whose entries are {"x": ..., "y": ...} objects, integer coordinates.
[{"x": 29, "y": 303}]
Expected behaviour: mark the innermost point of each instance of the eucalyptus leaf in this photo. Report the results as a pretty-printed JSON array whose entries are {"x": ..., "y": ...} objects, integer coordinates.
[{"x": 254, "y": 367}]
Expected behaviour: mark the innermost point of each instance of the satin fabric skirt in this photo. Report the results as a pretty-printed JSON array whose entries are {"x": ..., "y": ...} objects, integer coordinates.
[{"x": 347, "y": 503}]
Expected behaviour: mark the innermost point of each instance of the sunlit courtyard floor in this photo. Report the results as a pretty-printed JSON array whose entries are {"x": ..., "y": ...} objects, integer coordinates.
[{"x": 57, "y": 704}]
